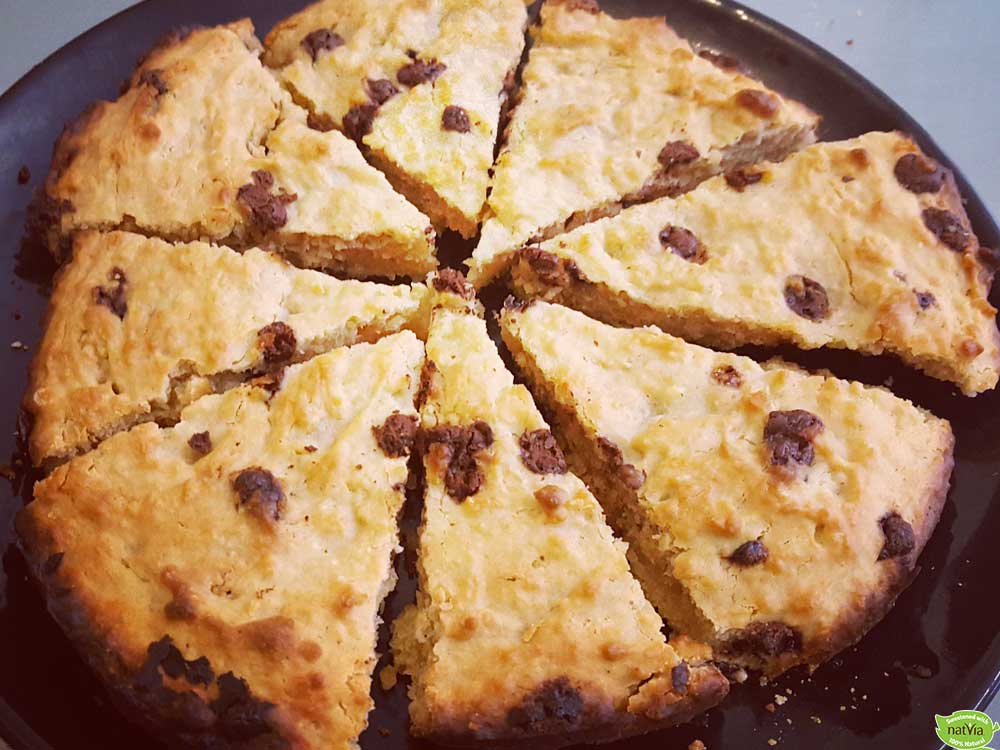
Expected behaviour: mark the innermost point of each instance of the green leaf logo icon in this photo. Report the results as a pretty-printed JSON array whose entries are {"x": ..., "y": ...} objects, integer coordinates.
[{"x": 965, "y": 730}]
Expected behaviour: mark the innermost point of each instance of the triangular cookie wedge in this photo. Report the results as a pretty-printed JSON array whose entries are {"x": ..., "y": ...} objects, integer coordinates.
[
  {"x": 861, "y": 244},
  {"x": 204, "y": 144},
  {"x": 616, "y": 111},
  {"x": 528, "y": 624},
  {"x": 771, "y": 513},
  {"x": 224, "y": 576},
  {"x": 421, "y": 85},
  {"x": 137, "y": 328}
]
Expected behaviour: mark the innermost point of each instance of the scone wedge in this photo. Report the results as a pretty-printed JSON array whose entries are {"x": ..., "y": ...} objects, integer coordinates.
[
  {"x": 224, "y": 576},
  {"x": 860, "y": 244},
  {"x": 137, "y": 328},
  {"x": 770, "y": 513},
  {"x": 617, "y": 111},
  {"x": 420, "y": 85},
  {"x": 528, "y": 627},
  {"x": 204, "y": 144}
]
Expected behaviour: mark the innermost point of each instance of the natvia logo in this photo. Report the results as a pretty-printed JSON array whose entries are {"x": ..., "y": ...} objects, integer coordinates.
[{"x": 965, "y": 730}]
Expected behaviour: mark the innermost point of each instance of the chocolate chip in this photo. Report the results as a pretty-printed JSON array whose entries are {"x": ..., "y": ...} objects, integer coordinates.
[
  {"x": 555, "y": 706},
  {"x": 740, "y": 179},
  {"x": 200, "y": 443},
  {"x": 925, "y": 299},
  {"x": 789, "y": 436},
  {"x": 631, "y": 476},
  {"x": 947, "y": 227},
  {"x": 163, "y": 654},
  {"x": 458, "y": 446},
  {"x": 683, "y": 243},
  {"x": 918, "y": 174},
  {"x": 199, "y": 671},
  {"x": 453, "y": 281},
  {"x": 277, "y": 342},
  {"x": 320, "y": 121},
  {"x": 358, "y": 120},
  {"x": 321, "y": 40},
  {"x": 270, "y": 381},
  {"x": 680, "y": 677},
  {"x": 396, "y": 435},
  {"x": 727, "y": 375},
  {"x": 23, "y": 175},
  {"x": 426, "y": 381},
  {"x": 677, "y": 152},
  {"x": 806, "y": 298},
  {"x": 52, "y": 563},
  {"x": 381, "y": 90},
  {"x": 153, "y": 78},
  {"x": 541, "y": 453},
  {"x": 267, "y": 211},
  {"x": 761, "y": 103},
  {"x": 899, "y": 537},
  {"x": 749, "y": 553},
  {"x": 764, "y": 640},
  {"x": 260, "y": 490},
  {"x": 720, "y": 60},
  {"x": 113, "y": 297},
  {"x": 456, "y": 119},
  {"x": 420, "y": 71},
  {"x": 240, "y": 715},
  {"x": 550, "y": 269}
]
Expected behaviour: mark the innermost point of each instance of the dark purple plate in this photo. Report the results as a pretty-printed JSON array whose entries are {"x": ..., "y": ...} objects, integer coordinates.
[{"x": 936, "y": 652}]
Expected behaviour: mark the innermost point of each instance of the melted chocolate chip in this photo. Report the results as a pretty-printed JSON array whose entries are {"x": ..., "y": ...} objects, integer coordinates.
[
  {"x": 396, "y": 435},
  {"x": 270, "y": 382},
  {"x": 358, "y": 120},
  {"x": 899, "y": 537},
  {"x": 541, "y": 453},
  {"x": 749, "y": 553},
  {"x": 261, "y": 491},
  {"x": 240, "y": 715},
  {"x": 420, "y": 71},
  {"x": 459, "y": 445},
  {"x": 720, "y": 60},
  {"x": 381, "y": 90},
  {"x": 677, "y": 152},
  {"x": 277, "y": 342},
  {"x": 550, "y": 269},
  {"x": 764, "y": 640},
  {"x": 113, "y": 297},
  {"x": 727, "y": 375},
  {"x": 426, "y": 378},
  {"x": 918, "y": 174},
  {"x": 556, "y": 706},
  {"x": 200, "y": 443},
  {"x": 806, "y": 297},
  {"x": 789, "y": 436},
  {"x": 683, "y": 243},
  {"x": 320, "y": 121},
  {"x": 453, "y": 281},
  {"x": 761, "y": 103},
  {"x": 267, "y": 211},
  {"x": 154, "y": 79},
  {"x": 947, "y": 227},
  {"x": 321, "y": 40},
  {"x": 632, "y": 477},
  {"x": 456, "y": 119},
  {"x": 52, "y": 563},
  {"x": 164, "y": 655},
  {"x": 740, "y": 179},
  {"x": 680, "y": 677},
  {"x": 925, "y": 300}
]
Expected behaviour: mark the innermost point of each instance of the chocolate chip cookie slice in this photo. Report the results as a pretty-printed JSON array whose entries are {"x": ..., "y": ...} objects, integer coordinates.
[
  {"x": 138, "y": 328},
  {"x": 204, "y": 144},
  {"x": 860, "y": 244},
  {"x": 420, "y": 85},
  {"x": 771, "y": 513},
  {"x": 528, "y": 624},
  {"x": 210, "y": 572},
  {"x": 612, "y": 112}
]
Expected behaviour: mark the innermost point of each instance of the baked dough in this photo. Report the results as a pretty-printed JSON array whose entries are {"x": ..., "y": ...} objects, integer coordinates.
[
  {"x": 421, "y": 85},
  {"x": 204, "y": 144},
  {"x": 528, "y": 624},
  {"x": 210, "y": 572},
  {"x": 860, "y": 244},
  {"x": 137, "y": 328},
  {"x": 614, "y": 111},
  {"x": 771, "y": 513}
]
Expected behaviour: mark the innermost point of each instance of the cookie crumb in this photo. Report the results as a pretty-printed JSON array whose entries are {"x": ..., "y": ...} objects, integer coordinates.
[
  {"x": 387, "y": 677},
  {"x": 696, "y": 745},
  {"x": 23, "y": 175},
  {"x": 770, "y": 707},
  {"x": 19, "y": 346}
]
